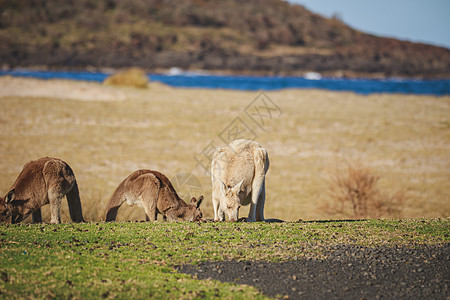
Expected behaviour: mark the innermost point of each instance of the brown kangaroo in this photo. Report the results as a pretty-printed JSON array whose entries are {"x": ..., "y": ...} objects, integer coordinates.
[
  {"x": 43, "y": 181},
  {"x": 155, "y": 193}
]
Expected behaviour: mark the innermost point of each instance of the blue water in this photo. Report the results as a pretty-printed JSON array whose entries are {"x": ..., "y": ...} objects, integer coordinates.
[{"x": 193, "y": 80}]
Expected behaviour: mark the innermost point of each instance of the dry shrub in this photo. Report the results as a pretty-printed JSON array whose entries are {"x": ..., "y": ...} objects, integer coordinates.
[
  {"x": 354, "y": 193},
  {"x": 134, "y": 77}
]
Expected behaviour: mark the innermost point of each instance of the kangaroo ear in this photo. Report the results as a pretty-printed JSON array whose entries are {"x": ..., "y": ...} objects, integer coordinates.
[
  {"x": 199, "y": 201},
  {"x": 223, "y": 187},
  {"x": 237, "y": 187},
  {"x": 10, "y": 197}
]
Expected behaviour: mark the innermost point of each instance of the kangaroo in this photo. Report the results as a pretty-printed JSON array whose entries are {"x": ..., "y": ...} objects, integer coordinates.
[
  {"x": 43, "y": 181},
  {"x": 153, "y": 191},
  {"x": 238, "y": 178}
]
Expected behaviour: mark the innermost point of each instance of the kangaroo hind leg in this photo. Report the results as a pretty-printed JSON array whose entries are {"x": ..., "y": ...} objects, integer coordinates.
[
  {"x": 55, "y": 199},
  {"x": 149, "y": 187},
  {"x": 59, "y": 180},
  {"x": 55, "y": 195}
]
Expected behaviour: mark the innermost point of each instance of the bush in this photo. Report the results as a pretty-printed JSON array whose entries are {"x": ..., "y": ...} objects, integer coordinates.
[
  {"x": 134, "y": 77},
  {"x": 354, "y": 192}
]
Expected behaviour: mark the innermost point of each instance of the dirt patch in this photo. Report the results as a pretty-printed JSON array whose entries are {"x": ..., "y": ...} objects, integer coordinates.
[{"x": 347, "y": 272}]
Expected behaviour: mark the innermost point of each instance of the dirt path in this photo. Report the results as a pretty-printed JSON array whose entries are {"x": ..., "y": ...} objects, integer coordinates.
[{"x": 348, "y": 272}]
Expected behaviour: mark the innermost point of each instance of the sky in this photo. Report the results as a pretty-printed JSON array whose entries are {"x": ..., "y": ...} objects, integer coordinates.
[{"x": 426, "y": 21}]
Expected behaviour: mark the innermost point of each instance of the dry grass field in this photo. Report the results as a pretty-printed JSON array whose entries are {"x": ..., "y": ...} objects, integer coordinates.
[{"x": 106, "y": 132}]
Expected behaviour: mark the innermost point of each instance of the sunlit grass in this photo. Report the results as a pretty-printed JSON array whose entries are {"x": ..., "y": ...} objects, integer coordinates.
[
  {"x": 403, "y": 138},
  {"x": 137, "y": 260}
]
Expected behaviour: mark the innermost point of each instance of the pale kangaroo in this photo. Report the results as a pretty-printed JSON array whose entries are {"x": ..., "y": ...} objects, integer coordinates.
[
  {"x": 153, "y": 191},
  {"x": 238, "y": 178},
  {"x": 43, "y": 181}
]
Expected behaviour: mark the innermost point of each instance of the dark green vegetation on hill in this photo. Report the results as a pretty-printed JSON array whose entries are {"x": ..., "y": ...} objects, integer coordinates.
[
  {"x": 255, "y": 36},
  {"x": 137, "y": 260}
]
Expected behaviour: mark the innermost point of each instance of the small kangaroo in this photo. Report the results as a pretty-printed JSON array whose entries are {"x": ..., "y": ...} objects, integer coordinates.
[
  {"x": 43, "y": 181},
  {"x": 153, "y": 191}
]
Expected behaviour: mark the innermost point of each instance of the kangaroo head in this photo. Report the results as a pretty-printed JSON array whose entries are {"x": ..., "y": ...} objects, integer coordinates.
[
  {"x": 5, "y": 208},
  {"x": 230, "y": 201},
  {"x": 193, "y": 212}
]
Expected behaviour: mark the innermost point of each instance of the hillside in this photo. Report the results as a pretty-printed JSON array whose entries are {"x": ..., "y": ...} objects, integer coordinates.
[{"x": 268, "y": 37}]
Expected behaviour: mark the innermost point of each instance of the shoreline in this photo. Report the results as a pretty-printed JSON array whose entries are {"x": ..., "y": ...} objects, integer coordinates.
[
  {"x": 206, "y": 81},
  {"x": 338, "y": 74}
]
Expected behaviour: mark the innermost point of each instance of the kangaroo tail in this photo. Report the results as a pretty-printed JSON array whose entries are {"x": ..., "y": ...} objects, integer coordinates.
[
  {"x": 274, "y": 221},
  {"x": 73, "y": 200},
  {"x": 111, "y": 213},
  {"x": 114, "y": 204}
]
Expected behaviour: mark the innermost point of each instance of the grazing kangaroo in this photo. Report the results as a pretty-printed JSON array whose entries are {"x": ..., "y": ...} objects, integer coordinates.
[
  {"x": 238, "y": 178},
  {"x": 155, "y": 193},
  {"x": 43, "y": 181}
]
